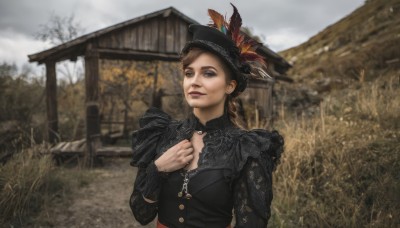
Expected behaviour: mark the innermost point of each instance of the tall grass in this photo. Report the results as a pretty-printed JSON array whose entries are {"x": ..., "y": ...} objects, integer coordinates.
[
  {"x": 30, "y": 184},
  {"x": 341, "y": 168},
  {"x": 23, "y": 180}
]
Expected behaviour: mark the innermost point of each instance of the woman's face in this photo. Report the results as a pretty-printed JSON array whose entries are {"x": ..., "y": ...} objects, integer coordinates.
[{"x": 205, "y": 83}]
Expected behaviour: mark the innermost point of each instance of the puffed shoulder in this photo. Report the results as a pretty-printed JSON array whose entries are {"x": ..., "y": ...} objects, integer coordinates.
[
  {"x": 258, "y": 144},
  {"x": 145, "y": 140}
]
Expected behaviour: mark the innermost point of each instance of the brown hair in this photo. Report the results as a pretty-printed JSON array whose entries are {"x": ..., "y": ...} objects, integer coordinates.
[{"x": 230, "y": 102}]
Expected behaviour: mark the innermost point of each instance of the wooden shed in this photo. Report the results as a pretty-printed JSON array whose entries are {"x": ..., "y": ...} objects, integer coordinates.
[{"x": 156, "y": 36}]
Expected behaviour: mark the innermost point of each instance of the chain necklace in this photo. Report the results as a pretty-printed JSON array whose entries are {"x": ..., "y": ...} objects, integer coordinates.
[
  {"x": 184, "y": 191},
  {"x": 186, "y": 178}
]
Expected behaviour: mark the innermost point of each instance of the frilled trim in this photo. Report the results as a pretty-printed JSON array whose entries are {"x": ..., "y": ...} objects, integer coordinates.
[
  {"x": 255, "y": 144},
  {"x": 145, "y": 141},
  {"x": 154, "y": 180}
]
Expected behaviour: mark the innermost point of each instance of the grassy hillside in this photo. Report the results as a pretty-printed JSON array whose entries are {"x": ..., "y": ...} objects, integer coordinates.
[
  {"x": 341, "y": 123},
  {"x": 362, "y": 46},
  {"x": 358, "y": 47}
]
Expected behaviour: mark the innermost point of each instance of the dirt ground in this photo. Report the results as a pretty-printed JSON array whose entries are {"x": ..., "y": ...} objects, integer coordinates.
[{"x": 103, "y": 202}]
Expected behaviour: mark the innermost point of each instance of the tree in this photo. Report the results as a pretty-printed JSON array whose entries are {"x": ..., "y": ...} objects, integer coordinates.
[
  {"x": 59, "y": 30},
  {"x": 21, "y": 108}
]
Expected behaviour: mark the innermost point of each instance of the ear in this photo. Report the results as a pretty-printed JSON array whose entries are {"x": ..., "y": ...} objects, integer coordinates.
[{"x": 231, "y": 87}]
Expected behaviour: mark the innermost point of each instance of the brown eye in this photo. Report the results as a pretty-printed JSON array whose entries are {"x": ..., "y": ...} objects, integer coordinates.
[
  {"x": 188, "y": 73},
  {"x": 209, "y": 73}
]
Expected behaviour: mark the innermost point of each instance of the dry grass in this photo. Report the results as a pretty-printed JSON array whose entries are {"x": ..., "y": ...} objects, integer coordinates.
[
  {"x": 21, "y": 181},
  {"x": 341, "y": 168},
  {"x": 30, "y": 183}
]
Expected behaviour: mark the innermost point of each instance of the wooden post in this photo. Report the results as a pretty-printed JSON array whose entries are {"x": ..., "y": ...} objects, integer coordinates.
[
  {"x": 92, "y": 103},
  {"x": 155, "y": 81},
  {"x": 270, "y": 104},
  {"x": 51, "y": 102}
]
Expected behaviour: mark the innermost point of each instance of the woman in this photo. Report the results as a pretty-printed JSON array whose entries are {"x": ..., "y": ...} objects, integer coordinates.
[{"x": 193, "y": 173}]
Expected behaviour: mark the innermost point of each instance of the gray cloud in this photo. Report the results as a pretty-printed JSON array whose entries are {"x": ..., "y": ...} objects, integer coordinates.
[{"x": 284, "y": 23}]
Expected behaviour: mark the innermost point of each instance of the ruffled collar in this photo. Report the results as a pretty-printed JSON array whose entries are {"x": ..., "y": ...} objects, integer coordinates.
[{"x": 218, "y": 123}]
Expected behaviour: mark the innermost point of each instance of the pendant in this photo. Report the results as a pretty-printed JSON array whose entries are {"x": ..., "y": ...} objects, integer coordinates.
[
  {"x": 180, "y": 194},
  {"x": 188, "y": 196}
]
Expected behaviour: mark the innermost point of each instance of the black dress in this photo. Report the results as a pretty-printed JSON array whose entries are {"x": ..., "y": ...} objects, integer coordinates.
[{"x": 234, "y": 172}]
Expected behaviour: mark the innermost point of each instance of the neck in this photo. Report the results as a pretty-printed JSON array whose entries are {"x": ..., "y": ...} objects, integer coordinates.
[{"x": 206, "y": 114}]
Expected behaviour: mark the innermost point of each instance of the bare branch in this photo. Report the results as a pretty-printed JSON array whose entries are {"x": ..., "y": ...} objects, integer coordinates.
[{"x": 59, "y": 30}]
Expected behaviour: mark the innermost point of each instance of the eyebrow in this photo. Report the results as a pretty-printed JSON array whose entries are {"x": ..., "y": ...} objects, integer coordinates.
[{"x": 202, "y": 68}]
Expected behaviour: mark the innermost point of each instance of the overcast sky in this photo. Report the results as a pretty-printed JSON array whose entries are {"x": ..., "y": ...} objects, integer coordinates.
[{"x": 282, "y": 23}]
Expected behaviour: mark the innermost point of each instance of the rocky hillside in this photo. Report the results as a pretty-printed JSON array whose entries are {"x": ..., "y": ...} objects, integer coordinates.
[{"x": 360, "y": 47}]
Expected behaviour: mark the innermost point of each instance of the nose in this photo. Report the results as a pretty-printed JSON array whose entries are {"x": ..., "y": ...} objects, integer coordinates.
[{"x": 195, "y": 80}]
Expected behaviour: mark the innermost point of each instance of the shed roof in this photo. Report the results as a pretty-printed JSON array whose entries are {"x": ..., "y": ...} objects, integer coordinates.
[
  {"x": 76, "y": 47},
  {"x": 64, "y": 51}
]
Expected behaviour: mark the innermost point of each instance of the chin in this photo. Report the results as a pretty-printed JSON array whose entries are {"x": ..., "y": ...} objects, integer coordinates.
[
  {"x": 201, "y": 104},
  {"x": 196, "y": 105}
]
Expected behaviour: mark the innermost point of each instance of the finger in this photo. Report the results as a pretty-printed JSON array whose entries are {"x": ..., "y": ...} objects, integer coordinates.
[
  {"x": 186, "y": 145},
  {"x": 179, "y": 146},
  {"x": 185, "y": 152},
  {"x": 182, "y": 142},
  {"x": 189, "y": 158},
  {"x": 188, "y": 151}
]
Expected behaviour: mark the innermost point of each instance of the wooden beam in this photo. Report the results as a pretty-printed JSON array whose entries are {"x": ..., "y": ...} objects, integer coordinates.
[
  {"x": 92, "y": 103},
  {"x": 51, "y": 102},
  {"x": 137, "y": 55}
]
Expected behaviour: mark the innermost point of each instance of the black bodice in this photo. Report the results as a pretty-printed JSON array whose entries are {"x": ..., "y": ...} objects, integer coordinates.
[
  {"x": 210, "y": 205},
  {"x": 234, "y": 172}
]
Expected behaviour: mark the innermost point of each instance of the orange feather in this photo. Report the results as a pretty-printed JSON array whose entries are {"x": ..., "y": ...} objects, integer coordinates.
[{"x": 217, "y": 18}]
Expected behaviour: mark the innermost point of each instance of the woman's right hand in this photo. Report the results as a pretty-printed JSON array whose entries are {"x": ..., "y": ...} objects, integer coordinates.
[{"x": 175, "y": 157}]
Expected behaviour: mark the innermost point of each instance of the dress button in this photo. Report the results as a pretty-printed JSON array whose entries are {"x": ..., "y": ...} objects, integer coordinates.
[
  {"x": 181, "y": 220},
  {"x": 181, "y": 206}
]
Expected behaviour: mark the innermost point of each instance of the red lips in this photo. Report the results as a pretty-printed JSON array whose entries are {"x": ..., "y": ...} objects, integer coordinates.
[{"x": 196, "y": 93}]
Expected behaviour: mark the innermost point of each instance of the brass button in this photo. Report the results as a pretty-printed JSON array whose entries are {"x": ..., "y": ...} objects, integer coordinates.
[
  {"x": 181, "y": 206},
  {"x": 181, "y": 220}
]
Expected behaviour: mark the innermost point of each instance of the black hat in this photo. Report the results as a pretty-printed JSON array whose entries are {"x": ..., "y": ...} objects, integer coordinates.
[{"x": 226, "y": 41}]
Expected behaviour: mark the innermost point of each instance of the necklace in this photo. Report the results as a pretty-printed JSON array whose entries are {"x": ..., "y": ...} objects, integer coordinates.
[
  {"x": 185, "y": 173},
  {"x": 186, "y": 178},
  {"x": 184, "y": 191}
]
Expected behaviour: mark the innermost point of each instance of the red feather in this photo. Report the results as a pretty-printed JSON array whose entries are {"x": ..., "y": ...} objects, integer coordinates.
[
  {"x": 235, "y": 23},
  {"x": 252, "y": 56},
  {"x": 239, "y": 40}
]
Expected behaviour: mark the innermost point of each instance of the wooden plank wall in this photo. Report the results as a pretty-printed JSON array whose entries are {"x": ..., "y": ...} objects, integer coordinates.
[
  {"x": 160, "y": 34},
  {"x": 260, "y": 93}
]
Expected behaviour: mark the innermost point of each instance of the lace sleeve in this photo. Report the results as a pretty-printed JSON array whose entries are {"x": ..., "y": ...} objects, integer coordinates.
[
  {"x": 147, "y": 184},
  {"x": 253, "y": 193},
  {"x": 145, "y": 144},
  {"x": 258, "y": 153}
]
